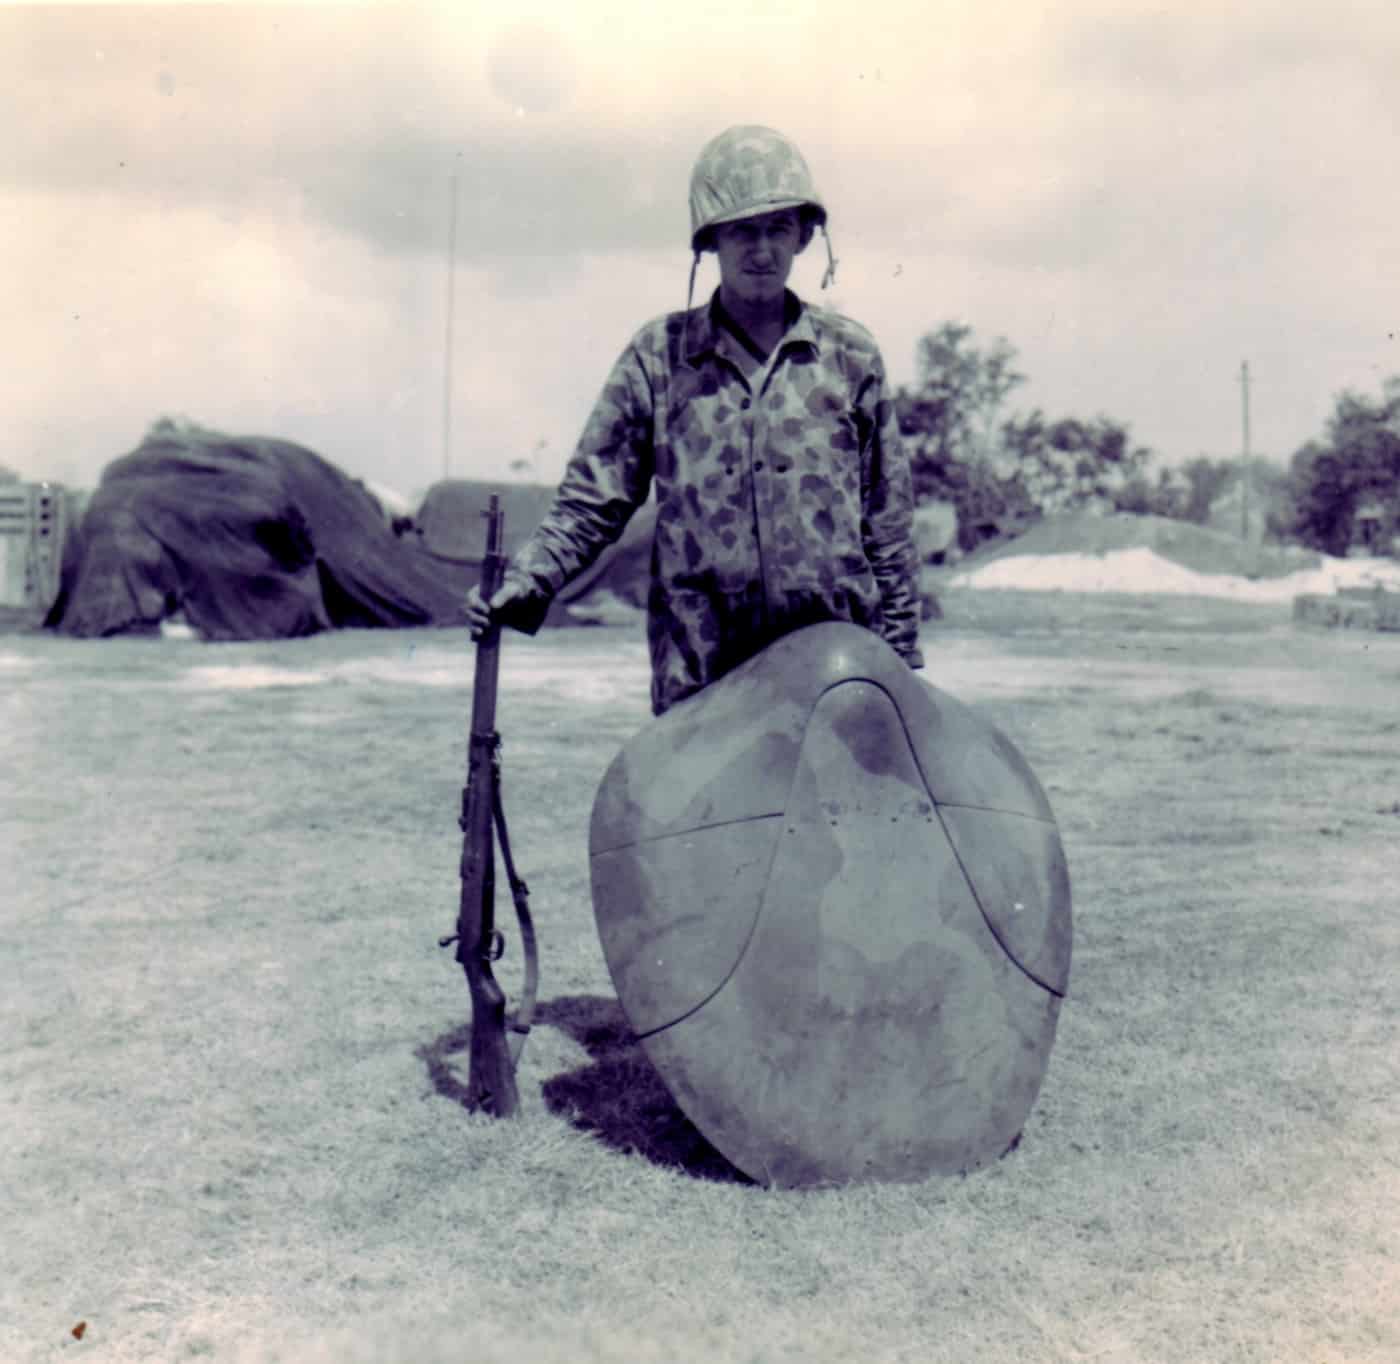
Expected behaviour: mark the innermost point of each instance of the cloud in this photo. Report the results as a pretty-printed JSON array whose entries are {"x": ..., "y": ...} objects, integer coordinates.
[
  {"x": 1059, "y": 133},
  {"x": 156, "y": 309},
  {"x": 247, "y": 208},
  {"x": 131, "y": 311},
  {"x": 1195, "y": 50},
  {"x": 531, "y": 68},
  {"x": 367, "y": 114}
]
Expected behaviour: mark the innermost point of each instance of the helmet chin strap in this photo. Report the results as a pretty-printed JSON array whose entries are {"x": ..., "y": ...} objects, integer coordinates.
[
  {"x": 685, "y": 326},
  {"x": 830, "y": 276}
]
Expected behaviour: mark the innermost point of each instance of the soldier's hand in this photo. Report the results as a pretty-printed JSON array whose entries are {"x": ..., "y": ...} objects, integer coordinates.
[{"x": 481, "y": 614}]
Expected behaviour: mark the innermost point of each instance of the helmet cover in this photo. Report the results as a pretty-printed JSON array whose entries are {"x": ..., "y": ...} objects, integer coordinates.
[{"x": 745, "y": 171}]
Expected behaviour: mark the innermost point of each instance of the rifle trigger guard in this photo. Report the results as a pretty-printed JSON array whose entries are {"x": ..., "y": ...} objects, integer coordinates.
[{"x": 495, "y": 948}]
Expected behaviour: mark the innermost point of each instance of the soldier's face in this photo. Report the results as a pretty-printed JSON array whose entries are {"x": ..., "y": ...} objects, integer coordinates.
[{"x": 756, "y": 255}]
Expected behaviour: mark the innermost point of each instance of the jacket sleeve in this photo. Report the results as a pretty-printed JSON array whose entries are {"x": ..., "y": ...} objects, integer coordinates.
[
  {"x": 607, "y": 479},
  {"x": 887, "y": 519}
]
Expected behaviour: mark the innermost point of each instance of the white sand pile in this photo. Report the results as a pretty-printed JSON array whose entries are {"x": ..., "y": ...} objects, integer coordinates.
[
  {"x": 1142, "y": 570},
  {"x": 1155, "y": 555}
]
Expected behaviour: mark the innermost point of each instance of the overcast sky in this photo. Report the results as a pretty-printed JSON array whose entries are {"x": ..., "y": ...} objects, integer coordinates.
[{"x": 240, "y": 214}]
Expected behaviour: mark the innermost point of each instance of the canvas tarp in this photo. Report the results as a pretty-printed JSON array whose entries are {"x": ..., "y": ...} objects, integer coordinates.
[
  {"x": 249, "y": 537},
  {"x": 452, "y": 529},
  {"x": 452, "y": 518}
]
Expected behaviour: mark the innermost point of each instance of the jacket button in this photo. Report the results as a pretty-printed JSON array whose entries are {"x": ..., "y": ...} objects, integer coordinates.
[
  {"x": 745, "y": 404},
  {"x": 757, "y": 465}
]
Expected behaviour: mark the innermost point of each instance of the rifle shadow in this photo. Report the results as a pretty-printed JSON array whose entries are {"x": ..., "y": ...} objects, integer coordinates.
[
  {"x": 434, "y": 1055},
  {"x": 617, "y": 1098}
]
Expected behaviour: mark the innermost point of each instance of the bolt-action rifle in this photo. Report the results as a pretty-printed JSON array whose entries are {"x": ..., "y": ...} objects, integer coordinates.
[{"x": 497, "y": 1040}]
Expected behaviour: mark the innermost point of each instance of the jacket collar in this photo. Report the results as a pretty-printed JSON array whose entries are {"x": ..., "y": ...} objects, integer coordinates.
[{"x": 705, "y": 336}]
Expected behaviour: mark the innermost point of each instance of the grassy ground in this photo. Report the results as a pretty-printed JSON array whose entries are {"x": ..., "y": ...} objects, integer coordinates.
[{"x": 231, "y": 1053}]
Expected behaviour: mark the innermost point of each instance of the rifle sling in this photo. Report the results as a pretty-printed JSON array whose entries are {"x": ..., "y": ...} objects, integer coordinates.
[{"x": 524, "y": 1015}]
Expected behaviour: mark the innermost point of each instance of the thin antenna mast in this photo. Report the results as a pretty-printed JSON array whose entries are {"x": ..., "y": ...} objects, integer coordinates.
[
  {"x": 1246, "y": 477},
  {"x": 447, "y": 366}
]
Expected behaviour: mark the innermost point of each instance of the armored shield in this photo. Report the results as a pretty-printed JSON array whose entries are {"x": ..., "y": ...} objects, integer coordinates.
[{"x": 836, "y": 910}]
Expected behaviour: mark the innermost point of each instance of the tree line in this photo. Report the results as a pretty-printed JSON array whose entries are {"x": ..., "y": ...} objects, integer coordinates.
[{"x": 1003, "y": 470}]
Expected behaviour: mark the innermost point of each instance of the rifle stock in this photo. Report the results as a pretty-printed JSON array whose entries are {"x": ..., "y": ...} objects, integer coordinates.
[{"x": 491, "y": 1081}]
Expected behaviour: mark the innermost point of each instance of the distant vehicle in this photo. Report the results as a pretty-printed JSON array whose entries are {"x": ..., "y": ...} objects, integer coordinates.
[
  {"x": 1375, "y": 530},
  {"x": 35, "y": 519}
]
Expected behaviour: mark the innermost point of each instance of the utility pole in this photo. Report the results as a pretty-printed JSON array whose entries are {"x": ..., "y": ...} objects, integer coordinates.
[
  {"x": 1246, "y": 477},
  {"x": 447, "y": 366}
]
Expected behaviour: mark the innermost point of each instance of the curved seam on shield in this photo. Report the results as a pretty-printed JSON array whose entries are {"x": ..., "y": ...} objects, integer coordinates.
[
  {"x": 767, "y": 881},
  {"x": 774, "y": 814},
  {"x": 957, "y": 856},
  {"x": 685, "y": 833},
  {"x": 923, "y": 777},
  {"x": 988, "y": 809}
]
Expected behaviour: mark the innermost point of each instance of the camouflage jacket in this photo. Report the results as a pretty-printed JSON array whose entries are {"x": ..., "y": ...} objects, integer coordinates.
[{"x": 783, "y": 494}]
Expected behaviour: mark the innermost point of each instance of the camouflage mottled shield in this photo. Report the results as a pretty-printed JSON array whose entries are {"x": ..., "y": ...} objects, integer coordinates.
[{"x": 836, "y": 909}]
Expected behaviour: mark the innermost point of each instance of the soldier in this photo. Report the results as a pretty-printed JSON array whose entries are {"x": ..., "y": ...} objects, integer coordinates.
[{"x": 765, "y": 426}]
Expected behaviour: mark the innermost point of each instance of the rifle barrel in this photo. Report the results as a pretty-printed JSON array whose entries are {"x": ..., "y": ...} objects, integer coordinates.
[{"x": 491, "y": 1081}]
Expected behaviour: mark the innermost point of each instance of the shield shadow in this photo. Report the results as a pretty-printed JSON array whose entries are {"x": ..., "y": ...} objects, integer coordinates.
[{"x": 619, "y": 1098}]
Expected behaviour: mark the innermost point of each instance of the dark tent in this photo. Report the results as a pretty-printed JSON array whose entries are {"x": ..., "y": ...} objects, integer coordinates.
[
  {"x": 452, "y": 530},
  {"x": 251, "y": 538},
  {"x": 624, "y": 569},
  {"x": 452, "y": 522}
]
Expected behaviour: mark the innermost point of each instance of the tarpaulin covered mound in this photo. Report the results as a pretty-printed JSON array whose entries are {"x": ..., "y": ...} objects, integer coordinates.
[
  {"x": 452, "y": 530},
  {"x": 1151, "y": 556},
  {"x": 452, "y": 522},
  {"x": 251, "y": 538},
  {"x": 1199, "y": 548}
]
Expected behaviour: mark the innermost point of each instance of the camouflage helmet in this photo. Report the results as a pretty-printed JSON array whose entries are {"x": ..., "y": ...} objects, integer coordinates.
[{"x": 744, "y": 171}]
